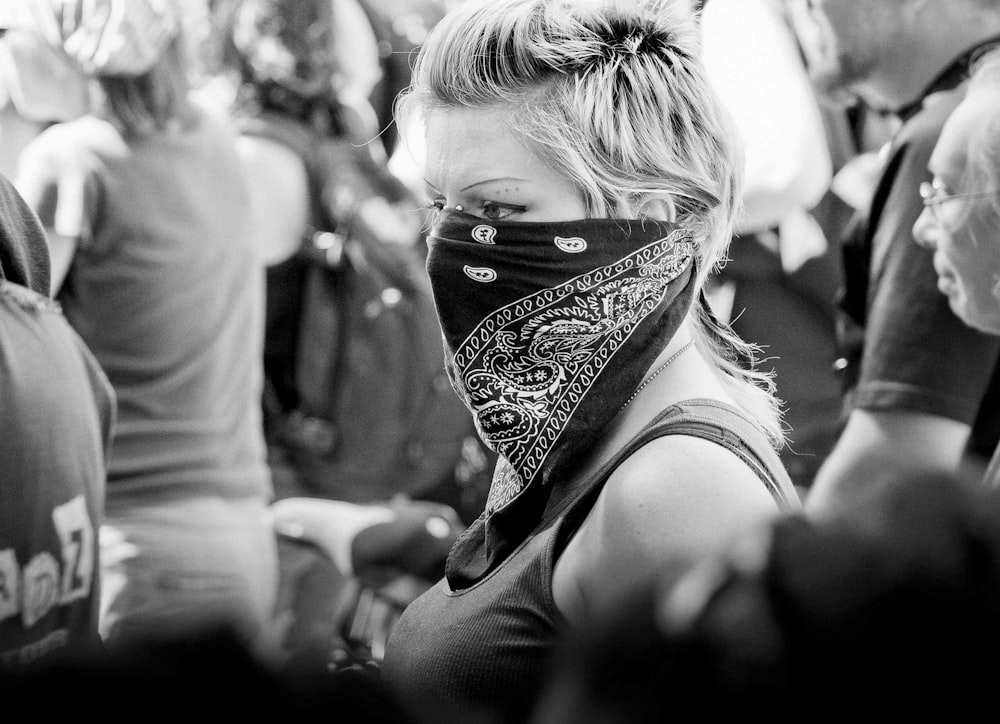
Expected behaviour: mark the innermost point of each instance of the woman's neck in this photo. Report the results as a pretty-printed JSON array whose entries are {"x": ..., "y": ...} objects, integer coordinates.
[{"x": 683, "y": 374}]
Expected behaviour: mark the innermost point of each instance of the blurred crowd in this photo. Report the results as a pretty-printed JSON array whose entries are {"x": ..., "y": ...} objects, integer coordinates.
[{"x": 821, "y": 372}]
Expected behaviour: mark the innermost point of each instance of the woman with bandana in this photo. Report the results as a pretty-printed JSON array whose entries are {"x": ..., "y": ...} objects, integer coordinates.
[{"x": 585, "y": 182}]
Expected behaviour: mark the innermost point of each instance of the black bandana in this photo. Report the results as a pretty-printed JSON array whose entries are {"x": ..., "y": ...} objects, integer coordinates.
[{"x": 548, "y": 329}]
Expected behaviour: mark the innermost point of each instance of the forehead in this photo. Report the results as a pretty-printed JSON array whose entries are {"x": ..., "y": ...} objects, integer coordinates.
[
  {"x": 465, "y": 142},
  {"x": 854, "y": 6},
  {"x": 840, "y": 7},
  {"x": 960, "y": 132},
  {"x": 856, "y": 16}
]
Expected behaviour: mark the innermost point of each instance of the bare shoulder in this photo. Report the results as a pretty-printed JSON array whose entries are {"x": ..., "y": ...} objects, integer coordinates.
[
  {"x": 876, "y": 443},
  {"x": 911, "y": 429},
  {"x": 676, "y": 498},
  {"x": 679, "y": 495}
]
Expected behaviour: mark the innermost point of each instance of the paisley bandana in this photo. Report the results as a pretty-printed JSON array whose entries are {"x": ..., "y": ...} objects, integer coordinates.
[{"x": 548, "y": 329}]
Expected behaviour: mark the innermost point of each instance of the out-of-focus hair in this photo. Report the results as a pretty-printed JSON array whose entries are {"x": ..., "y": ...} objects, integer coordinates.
[
  {"x": 613, "y": 95},
  {"x": 142, "y": 54},
  {"x": 141, "y": 105},
  {"x": 286, "y": 48},
  {"x": 312, "y": 60}
]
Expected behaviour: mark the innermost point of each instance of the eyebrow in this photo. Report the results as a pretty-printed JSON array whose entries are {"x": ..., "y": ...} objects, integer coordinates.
[{"x": 480, "y": 183}]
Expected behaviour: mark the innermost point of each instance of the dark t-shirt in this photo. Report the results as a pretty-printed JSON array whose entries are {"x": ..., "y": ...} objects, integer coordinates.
[
  {"x": 56, "y": 412},
  {"x": 906, "y": 349}
]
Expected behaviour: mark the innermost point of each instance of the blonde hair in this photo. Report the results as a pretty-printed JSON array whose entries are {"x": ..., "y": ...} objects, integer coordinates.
[
  {"x": 147, "y": 104},
  {"x": 612, "y": 94}
]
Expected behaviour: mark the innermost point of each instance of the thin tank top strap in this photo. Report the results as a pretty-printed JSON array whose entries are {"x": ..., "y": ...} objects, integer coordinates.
[
  {"x": 730, "y": 427},
  {"x": 723, "y": 424}
]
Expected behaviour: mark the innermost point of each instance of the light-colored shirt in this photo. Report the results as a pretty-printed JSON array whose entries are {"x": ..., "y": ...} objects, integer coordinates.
[
  {"x": 165, "y": 290},
  {"x": 754, "y": 65}
]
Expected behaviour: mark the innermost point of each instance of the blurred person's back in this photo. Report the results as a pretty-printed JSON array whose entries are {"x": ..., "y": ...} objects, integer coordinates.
[{"x": 147, "y": 217}]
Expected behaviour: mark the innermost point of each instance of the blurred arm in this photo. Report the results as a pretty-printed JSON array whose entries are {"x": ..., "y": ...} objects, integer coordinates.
[
  {"x": 57, "y": 192},
  {"x": 877, "y": 445},
  {"x": 279, "y": 195}
]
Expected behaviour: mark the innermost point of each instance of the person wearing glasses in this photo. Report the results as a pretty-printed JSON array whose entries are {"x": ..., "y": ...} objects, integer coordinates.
[
  {"x": 962, "y": 209},
  {"x": 922, "y": 389}
]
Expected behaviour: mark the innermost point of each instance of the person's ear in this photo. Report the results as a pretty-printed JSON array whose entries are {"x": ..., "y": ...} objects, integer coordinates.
[{"x": 659, "y": 206}]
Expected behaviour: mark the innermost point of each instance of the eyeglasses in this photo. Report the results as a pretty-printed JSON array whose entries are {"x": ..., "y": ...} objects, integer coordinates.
[{"x": 934, "y": 196}]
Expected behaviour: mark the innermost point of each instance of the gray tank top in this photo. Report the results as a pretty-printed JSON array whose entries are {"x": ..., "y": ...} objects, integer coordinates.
[{"x": 481, "y": 651}]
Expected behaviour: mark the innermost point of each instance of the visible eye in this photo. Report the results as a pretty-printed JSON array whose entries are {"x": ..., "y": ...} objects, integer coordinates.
[
  {"x": 495, "y": 211},
  {"x": 434, "y": 205}
]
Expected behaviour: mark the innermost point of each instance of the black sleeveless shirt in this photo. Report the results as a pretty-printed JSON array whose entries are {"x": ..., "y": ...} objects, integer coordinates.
[{"x": 480, "y": 653}]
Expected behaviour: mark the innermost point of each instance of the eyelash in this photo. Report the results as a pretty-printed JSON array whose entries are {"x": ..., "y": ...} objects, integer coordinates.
[
  {"x": 493, "y": 206},
  {"x": 488, "y": 209}
]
